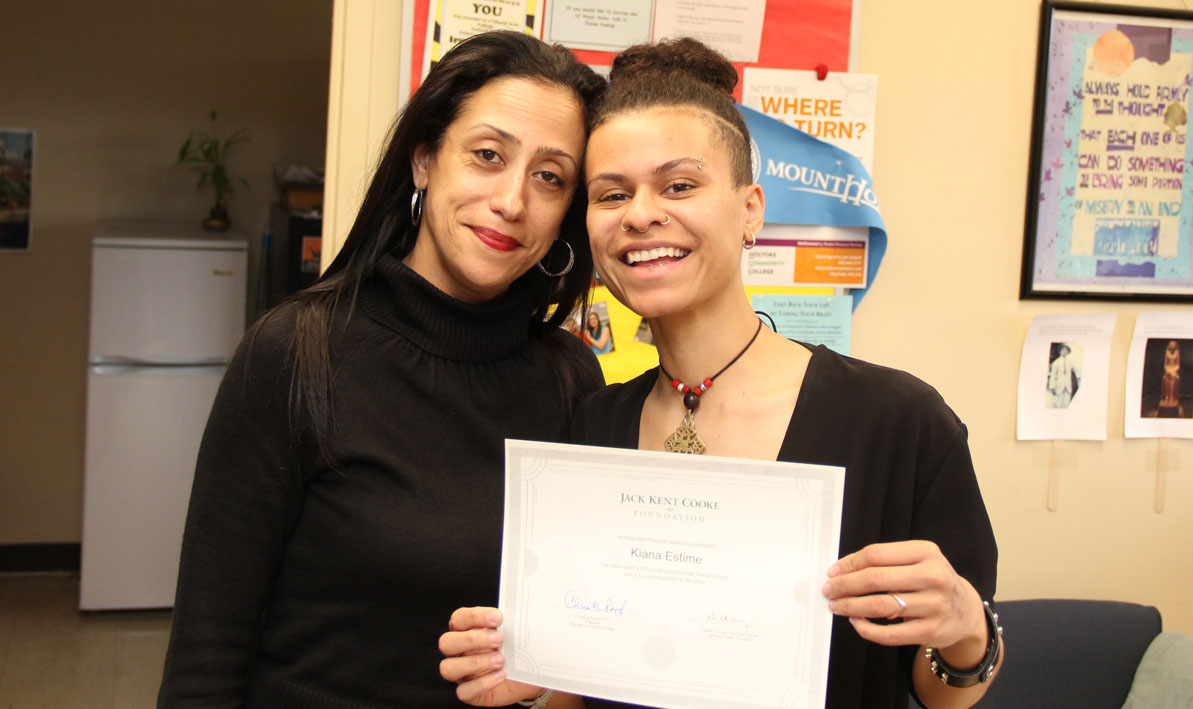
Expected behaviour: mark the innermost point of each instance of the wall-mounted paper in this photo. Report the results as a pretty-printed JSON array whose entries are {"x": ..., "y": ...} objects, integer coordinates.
[
  {"x": 1063, "y": 377},
  {"x": 1159, "y": 397},
  {"x": 454, "y": 21},
  {"x": 805, "y": 255},
  {"x": 815, "y": 319},
  {"x": 838, "y": 110},
  {"x": 731, "y": 26},
  {"x": 609, "y": 25}
]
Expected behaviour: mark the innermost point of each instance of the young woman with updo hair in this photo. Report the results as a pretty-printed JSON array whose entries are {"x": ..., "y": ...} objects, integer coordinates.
[
  {"x": 348, "y": 489},
  {"x": 671, "y": 205}
]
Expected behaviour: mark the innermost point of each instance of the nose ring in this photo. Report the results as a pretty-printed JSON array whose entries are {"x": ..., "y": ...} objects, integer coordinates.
[{"x": 665, "y": 222}]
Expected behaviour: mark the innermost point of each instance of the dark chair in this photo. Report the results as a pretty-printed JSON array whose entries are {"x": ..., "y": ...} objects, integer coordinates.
[{"x": 1070, "y": 653}]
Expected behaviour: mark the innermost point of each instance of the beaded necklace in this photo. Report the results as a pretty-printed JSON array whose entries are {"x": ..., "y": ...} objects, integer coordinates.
[{"x": 685, "y": 439}]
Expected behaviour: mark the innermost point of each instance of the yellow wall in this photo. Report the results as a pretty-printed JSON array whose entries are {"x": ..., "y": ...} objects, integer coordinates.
[
  {"x": 956, "y": 82},
  {"x": 111, "y": 90}
]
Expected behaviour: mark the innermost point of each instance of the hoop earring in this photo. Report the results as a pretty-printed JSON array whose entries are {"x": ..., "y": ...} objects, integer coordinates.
[
  {"x": 416, "y": 206},
  {"x": 749, "y": 241},
  {"x": 566, "y": 269}
]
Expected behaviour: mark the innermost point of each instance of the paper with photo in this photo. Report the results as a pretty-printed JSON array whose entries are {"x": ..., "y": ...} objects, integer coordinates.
[
  {"x": 668, "y": 580},
  {"x": 838, "y": 110},
  {"x": 607, "y": 26},
  {"x": 1159, "y": 396},
  {"x": 814, "y": 319},
  {"x": 1064, "y": 375},
  {"x": 733, "y": 27}
]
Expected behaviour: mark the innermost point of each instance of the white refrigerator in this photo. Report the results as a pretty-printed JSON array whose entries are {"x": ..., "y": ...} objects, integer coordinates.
[{"x": 167, "y": 310}]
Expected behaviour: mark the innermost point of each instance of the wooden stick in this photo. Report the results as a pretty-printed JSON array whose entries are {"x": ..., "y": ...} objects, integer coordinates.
[
  {"x": 1161, "y": 474},
  {"x": 1053, "y": 479}
]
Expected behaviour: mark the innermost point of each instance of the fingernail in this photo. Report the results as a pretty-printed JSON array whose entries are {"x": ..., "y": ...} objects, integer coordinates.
[
  {"x": 496, "y": 638},
  {"x": 834, "y": 605},
  {"x": 834, "y": 570},
  {"x": 853, "y": 620},
  {"x": 498, "y": 659},
  {"x": 827, "y": 588},
  {"x": 494, "y": 618}
]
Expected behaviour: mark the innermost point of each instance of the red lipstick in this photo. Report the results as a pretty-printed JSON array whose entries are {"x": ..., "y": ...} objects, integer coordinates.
[{"x": 495, "y": 239}]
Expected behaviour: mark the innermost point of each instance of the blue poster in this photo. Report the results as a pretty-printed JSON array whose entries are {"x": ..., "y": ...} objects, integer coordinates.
[{"x": 808, "y": 181}]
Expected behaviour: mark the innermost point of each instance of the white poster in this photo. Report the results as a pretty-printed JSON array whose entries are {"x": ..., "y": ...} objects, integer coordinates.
[
  {"x": 1159, "y": 396},
  {"x": 838, "y": 110},
  {"x": 733, "y": 27},
  {"x": 608, "y": 26},
  {"x": 1063, "y": 377}
]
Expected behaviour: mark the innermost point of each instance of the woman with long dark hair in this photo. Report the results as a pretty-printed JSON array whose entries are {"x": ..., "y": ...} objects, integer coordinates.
[
  {"x": 596, "y": 334},
  {"x": 670, "y": 208},
  {"x": 355, "y": 445}
]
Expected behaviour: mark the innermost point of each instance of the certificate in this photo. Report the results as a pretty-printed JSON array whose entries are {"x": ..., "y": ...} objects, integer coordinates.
[{"x": 668, "y": 580}]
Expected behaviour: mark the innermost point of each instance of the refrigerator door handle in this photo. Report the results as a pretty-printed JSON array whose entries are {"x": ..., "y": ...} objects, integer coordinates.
[{"x": 121, "y": 361}]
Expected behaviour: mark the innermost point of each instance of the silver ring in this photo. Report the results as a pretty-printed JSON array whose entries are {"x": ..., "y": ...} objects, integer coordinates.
[
  {"x": 665, "y": 222},
  {"x": 624, "y": 227},
  {"x": 902, "y": 606}
]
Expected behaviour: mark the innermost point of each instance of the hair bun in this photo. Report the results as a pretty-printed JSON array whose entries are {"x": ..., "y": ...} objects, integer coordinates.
[{"x": 681, "y": 56}]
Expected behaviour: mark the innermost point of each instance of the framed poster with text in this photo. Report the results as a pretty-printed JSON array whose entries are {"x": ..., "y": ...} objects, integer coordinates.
[{"x": 1109, "y": 211}]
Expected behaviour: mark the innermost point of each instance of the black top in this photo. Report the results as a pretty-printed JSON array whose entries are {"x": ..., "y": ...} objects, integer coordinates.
[
  {"x": 908, "y": 475},
  {"x": 304, "y": 584}
]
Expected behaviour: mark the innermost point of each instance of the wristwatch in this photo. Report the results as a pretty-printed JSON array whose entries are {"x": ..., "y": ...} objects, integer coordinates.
[{"x": 985, "y": 669}]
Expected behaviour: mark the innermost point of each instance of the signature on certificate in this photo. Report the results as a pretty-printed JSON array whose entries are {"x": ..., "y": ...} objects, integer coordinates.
[{"x": 573, "y": 600}]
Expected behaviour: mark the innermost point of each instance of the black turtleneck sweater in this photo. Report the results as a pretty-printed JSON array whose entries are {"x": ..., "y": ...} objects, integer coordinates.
[{"x": 308, "y": 584}]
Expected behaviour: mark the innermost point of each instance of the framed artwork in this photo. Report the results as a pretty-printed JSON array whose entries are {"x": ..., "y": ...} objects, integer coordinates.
[
  {"x": 1109, "y": 211},
  {"x": 16, "y": 188}
]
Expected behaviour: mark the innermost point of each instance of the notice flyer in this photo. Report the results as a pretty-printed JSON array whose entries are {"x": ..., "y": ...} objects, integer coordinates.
[
  {"x": 814, "y": 319},
  {"x": 806, "y": 255},
  {"x": 838, "y": 110},
  {"x": 1159, "y": 396},
  {"x": 454, "y": 21},
  {"x": 732, "y": 27},
  {"x": 1064, "y": 376},
  {"x": 608, "y": 25}
]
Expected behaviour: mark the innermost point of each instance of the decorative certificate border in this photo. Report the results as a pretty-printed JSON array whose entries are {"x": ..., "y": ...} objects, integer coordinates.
[{"x": 668, "y": 580}]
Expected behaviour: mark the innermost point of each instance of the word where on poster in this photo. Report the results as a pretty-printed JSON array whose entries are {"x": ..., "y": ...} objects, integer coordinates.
[{"x": 838, "y": 110}]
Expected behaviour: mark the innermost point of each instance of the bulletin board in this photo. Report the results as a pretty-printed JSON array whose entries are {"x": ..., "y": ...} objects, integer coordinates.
[
  {"x": 796, "y": 34},
  {"x": 815, "y": 35}
]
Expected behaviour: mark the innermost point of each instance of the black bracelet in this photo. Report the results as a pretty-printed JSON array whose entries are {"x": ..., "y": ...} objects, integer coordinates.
[{"x": 985, "y": 669}]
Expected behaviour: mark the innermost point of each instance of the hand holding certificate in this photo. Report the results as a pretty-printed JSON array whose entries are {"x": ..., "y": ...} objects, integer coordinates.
[{"x": 665, "y": 580}]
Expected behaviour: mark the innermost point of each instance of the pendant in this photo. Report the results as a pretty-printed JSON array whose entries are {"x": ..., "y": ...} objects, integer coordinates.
[{"x": 685, "y": 439}]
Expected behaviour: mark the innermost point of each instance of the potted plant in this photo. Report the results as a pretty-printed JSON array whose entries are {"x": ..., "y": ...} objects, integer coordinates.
[{"x": 206, "y": 154}]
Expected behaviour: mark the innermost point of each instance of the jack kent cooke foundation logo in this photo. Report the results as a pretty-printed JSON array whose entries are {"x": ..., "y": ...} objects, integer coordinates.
[{"x": 663, "y": 507}]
